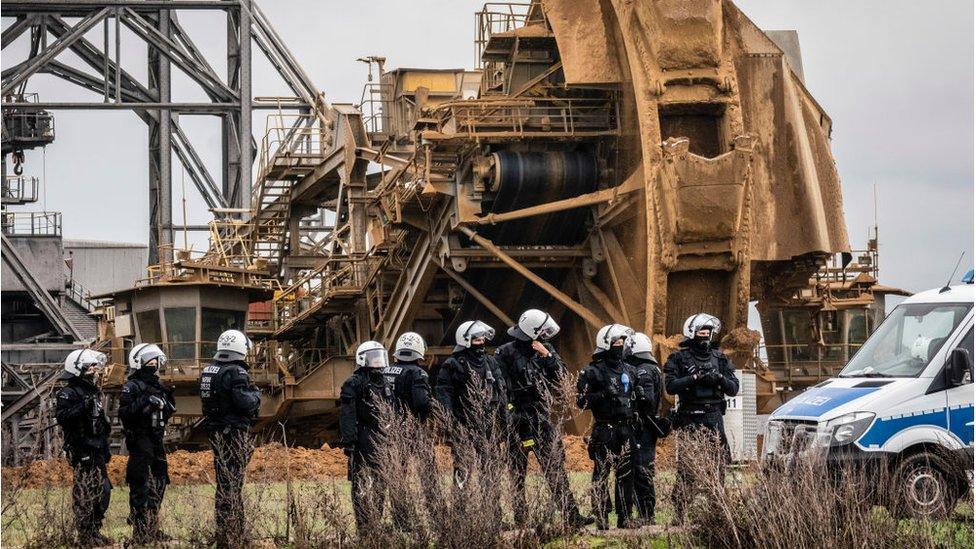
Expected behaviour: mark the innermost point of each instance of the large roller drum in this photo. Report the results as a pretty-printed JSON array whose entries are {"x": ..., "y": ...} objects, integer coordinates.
[{"x": 522, "y": 179}]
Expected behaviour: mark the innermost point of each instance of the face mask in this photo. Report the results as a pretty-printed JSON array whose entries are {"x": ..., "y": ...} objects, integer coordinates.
[
  {"x": 478, "y": 348},
  {"x": 701, "y": 344},
  {"x": 616, "y": 352}
]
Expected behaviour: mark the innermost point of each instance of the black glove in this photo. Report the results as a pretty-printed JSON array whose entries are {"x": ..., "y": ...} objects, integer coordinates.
[
  {"x": 157, "y": 402},
  {"x": 714, "y": 377}
]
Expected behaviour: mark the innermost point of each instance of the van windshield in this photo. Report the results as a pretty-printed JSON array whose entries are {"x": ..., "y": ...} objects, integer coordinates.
[{"x": 907, "y": 340}]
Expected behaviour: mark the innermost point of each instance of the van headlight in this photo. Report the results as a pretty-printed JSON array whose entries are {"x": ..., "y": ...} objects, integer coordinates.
[{"x": 844, "y": 429}]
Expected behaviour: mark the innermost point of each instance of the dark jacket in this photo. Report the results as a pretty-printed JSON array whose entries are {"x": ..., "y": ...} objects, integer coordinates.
[
  {"x": 361, "y": 411},
  {"x": 462, "y": 372},
  {"x": 229, "y": 399},
  {"x": 647, "y": 400},
  {"x": 83, "y": 421},
  {"x": 411, "y": 386},
  {"x": 607, "y": 387},
  {"x": 530, "y": 378},
  {"x": 138, "y": 414},
  {"x": 709, "y": 389}
]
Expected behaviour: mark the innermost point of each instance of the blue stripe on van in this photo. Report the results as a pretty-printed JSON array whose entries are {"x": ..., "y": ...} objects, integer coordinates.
[
  {"x": 885, "y": 428},
  {"x": 817, "y": 401}
]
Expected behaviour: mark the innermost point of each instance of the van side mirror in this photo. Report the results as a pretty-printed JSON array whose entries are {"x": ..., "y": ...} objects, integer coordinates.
[{"x": 959, "y": 364}]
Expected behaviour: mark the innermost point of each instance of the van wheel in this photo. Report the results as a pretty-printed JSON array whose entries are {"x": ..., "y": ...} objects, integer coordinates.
[{"x": 922, "y": 487}]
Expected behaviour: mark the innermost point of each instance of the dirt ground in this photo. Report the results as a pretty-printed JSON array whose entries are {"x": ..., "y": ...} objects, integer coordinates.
[{"x": 272, "y": 462}]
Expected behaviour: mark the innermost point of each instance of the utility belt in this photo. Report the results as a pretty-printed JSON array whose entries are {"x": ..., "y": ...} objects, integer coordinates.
[
  {"x": 701, "y": 409},
  {"x": 615, "y": 423}
]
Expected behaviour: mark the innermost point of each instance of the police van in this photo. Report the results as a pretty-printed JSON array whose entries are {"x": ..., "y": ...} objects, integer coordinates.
[{"x": 904, "y": 400}]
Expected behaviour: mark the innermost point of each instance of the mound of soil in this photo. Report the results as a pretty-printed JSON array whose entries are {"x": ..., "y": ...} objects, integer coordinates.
[{"x": 271, "y": 463}]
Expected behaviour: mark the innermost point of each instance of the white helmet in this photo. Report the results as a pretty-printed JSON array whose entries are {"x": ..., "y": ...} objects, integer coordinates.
[
  {"x": 534, "y": 325},
  {"x": 79, "y": 361},
  {"x": 920, "y": 348},
  {"x": 410, "y": 346},
  {"x": 142, "y": 353},
  {"x": 472, "y": 329},
  {"x": 701, "y": 321},
  {"x": 610, "y": 333},
  {"x": 371, "y": 354},
  {"x": 639, "y": 345},
  {"x": 232, "y": 345}
]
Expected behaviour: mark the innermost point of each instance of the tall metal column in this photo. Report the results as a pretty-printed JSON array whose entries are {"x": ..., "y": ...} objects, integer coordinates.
[
  {"x": 244, "y": 89},
  {"x": 160, "y": 154},
  {"x": 237, "y": 125}
]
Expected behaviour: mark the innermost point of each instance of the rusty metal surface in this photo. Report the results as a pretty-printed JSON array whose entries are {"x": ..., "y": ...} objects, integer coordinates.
[{"x": 711, "y": 184}]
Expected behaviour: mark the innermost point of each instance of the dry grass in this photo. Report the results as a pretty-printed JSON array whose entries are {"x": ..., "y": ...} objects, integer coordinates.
[{"x": 747, "y": 507}]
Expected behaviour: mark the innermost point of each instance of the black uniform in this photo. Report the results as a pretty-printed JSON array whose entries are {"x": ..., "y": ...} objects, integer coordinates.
[
  {"x": 145, "y": 407},
  {"x": 646, "y": 404},
  {"x": 701, "y": 378},
  {"x": 85, "y": 429},
  {"x": 483, "y": 417},
  {"x": 607, "y": 387},
  {"x": 412, "y": 396},
  {"x": 531, "y": 380},
  {"x": 230, "y": 402},
  {"x": 360, "y": 426}
]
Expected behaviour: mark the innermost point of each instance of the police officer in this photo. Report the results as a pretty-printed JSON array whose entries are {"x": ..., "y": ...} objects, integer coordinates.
[
  {"x": 607, "y": 387},
  {"x": 701, "y": 377},
  {"x": 230, "y": 401},
  {"x": 362, "y": 420},
  {"x": 412, "y": 397},
  {"x": 471, "y": 388},
  {"x": 648, "y": 427},
  {"x": 533, "y": 371},
  {"x": 85, "y": 430},
  {"x": 145, "y": 407}
]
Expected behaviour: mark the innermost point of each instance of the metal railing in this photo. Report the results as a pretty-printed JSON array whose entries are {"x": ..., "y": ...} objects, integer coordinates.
[
  {"x": 337, "y": 276},
  {"x": 802, "y": 362},
  {"x": 31, "y": 223},
  {"x": 528, "y": 116},
  {"x": 375, "y": 108},
  {"x": 20, "y": 189},
  {"x": 290, "y": 136},
  {"x": 80, "y": 294},
  {"x": 186, "y": 360},
  {"x": 495, "y": 17}
]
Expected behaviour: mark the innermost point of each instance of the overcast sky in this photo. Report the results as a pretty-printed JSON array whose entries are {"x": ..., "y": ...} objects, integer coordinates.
[{"x": 896, "y": 76}]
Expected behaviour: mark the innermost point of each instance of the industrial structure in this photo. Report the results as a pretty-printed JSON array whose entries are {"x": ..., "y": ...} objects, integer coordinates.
[{"x": 630, "y": 162}]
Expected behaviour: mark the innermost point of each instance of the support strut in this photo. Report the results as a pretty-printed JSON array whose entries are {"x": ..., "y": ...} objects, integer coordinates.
[{"x": 569, "y": 302}]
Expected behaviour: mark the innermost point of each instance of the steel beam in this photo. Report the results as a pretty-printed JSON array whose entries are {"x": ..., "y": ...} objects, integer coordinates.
[
  {"x": 45, "y": 303},
  {"x": 480, "y": 297},
  {"x": 160, "y": 148},
  {"x": 21, "y": 7},
  {"x": 570, "y": 304},
  {"x": 213, "y": 87},
  {"x": 51, "y": 51},
  {"x": 589, "y": 199},
  {"x": 243, "y": 197},
  {"x": 17, "y": 28}
]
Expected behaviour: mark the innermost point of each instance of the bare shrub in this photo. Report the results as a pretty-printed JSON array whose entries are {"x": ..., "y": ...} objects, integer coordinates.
[
  {"x": 803, "y": 503},
  {"x": 470, "y": 505}
]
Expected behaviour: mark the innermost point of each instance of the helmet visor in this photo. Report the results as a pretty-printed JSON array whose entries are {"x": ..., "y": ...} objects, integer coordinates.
[
  {"x": 160, "y": 363},
  {"x": 91, "y": 361},
  {"x": 547, "y": 332},
  {"x": 480, "y": 329},
  {"x": 375, "y": 358}
]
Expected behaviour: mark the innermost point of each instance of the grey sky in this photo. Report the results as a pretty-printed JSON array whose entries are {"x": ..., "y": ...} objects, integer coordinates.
[{"x": 896, "y": 76}]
